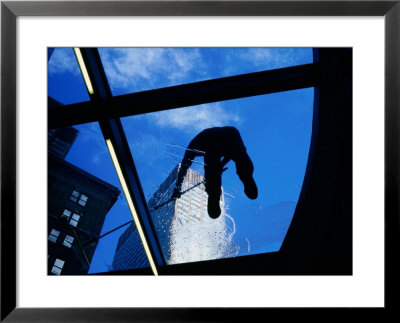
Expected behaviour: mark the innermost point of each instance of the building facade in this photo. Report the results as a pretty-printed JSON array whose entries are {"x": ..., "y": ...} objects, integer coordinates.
[
  {"x": 185, "y": 231},
  {"x": 78, "y": 203},
  {"x": 59, "y": 141},
  {"x": 129, "y": 252}
]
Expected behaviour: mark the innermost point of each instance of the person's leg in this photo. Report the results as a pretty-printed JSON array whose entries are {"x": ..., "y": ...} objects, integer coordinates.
[
  {"x": 213, "y": 174},
  {"x": 244, "y": 165},
  {"x": 244, "y": 169}
]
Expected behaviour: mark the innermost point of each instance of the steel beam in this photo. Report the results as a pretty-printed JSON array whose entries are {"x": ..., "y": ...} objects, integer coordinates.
[
  {"x": 112, "y": 129},
  {"x": 227, "y": 88}
]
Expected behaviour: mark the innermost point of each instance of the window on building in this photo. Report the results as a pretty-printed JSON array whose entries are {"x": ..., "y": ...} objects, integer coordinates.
[
  {"x": 68, "y": 241},
  {"x": 86, "y": 156},
  {"x": 74, "y": 196},
  {"x": 74, "y": 220},
  {"x": 54, "y": 235},
  {"x": 58, "y": 266},
  {"x": 82, "y": 200},
  {"x": 66, "y": 214},
  {"x": 79, "y": 198}
]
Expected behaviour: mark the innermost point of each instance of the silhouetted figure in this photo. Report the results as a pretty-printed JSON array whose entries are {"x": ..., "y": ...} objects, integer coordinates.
[{"x": 218, "y": 145}]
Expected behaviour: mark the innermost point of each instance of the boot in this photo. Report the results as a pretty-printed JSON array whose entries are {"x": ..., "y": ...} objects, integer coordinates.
[
  {"x": 250, "y": 187},
  {"x": 213, "y": 208}
]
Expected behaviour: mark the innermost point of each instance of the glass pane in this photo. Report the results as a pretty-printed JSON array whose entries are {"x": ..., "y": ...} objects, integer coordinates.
[
  {"x": 129, "y": 252},
  {"x": 68, "y": 241},
  {"x": 81, "y": 202},
  {"x": 73, "y": 223},
  {"x": 53, "y": 238},
  {"x": 59, "y": 263},
  {"x": 55, "y": 270},
  {"x": 66, "y": 214},
  {"x": 55, "y": 232},
  {"x": 75, "y": 217},
  {"x": 65, "y": 82},
  {"x": 87, "y": 168},
  {"x": 138, "y": 69},
  {"x": 276, "y": 132},
  {"x": 69, "y": 238}
]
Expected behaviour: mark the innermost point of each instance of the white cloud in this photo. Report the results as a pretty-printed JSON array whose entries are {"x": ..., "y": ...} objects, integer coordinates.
[
  {"x": 63, "y": 61},
  {"x": 273, "y": 57},
  {"x": 258, "y": 56},
  {"x": 196, "y": 118},
  {"x": 136, "y": 69}
]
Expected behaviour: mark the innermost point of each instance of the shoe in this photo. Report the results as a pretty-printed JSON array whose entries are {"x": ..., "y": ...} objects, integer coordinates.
[
  {"x": 213, "y": 208},
  {"x": 250, "y": 187}
]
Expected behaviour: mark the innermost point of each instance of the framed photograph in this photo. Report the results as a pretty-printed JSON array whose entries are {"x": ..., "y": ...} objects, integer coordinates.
[{"x": 179, "y": 155}]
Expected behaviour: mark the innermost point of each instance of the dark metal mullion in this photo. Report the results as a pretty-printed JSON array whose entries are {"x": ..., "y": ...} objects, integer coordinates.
[
  {"x": 227, "y": 88},
  {"x": 112, "y": 129}
]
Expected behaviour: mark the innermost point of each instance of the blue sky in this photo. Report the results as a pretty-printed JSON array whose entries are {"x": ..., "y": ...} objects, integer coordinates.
[{"x": 275, "y": 128}]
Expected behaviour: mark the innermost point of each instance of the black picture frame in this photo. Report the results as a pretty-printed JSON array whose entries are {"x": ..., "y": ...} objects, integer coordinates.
[{"x": 10, "y": 10}]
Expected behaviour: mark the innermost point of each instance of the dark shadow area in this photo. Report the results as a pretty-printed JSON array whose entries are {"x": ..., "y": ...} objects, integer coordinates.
[{"x": 319, "y": 239}]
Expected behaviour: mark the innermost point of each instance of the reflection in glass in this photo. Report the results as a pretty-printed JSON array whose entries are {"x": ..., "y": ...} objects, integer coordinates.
[
  {"x": 185, "y": 230},
  {"x": 276, "y": 130},
  {"x": 138, "y": 69},
  {"x": 85, "y": 205}
]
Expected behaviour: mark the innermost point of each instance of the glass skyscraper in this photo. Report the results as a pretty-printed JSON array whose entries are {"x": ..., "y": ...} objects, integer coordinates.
[{"x": 185, "y": 231}]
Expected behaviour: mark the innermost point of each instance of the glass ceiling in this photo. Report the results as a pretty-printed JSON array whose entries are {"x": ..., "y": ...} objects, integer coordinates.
[
  {"x": 137, "y": 69},
  {"x": 89, "y": 152},
  {"x": 65, "y": 82},
  {"x": 276, "y": 130}
]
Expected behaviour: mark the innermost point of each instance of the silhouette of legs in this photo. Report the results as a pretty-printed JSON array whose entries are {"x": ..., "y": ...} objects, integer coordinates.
[
  {"x": 244, "y": 169},
  {"x": 213, "y": 174},
  {"x": 244, "y": 165},
  {"x": 214, "y": 144}
]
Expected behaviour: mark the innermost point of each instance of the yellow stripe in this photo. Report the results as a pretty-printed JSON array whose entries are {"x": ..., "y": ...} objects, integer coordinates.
[
  {"x": 131, "y": 206},
  {"x": 84, "y": 71}
]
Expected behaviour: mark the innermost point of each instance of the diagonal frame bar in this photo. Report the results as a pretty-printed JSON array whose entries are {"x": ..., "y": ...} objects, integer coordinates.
[{"x": 117, "y": 143}]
